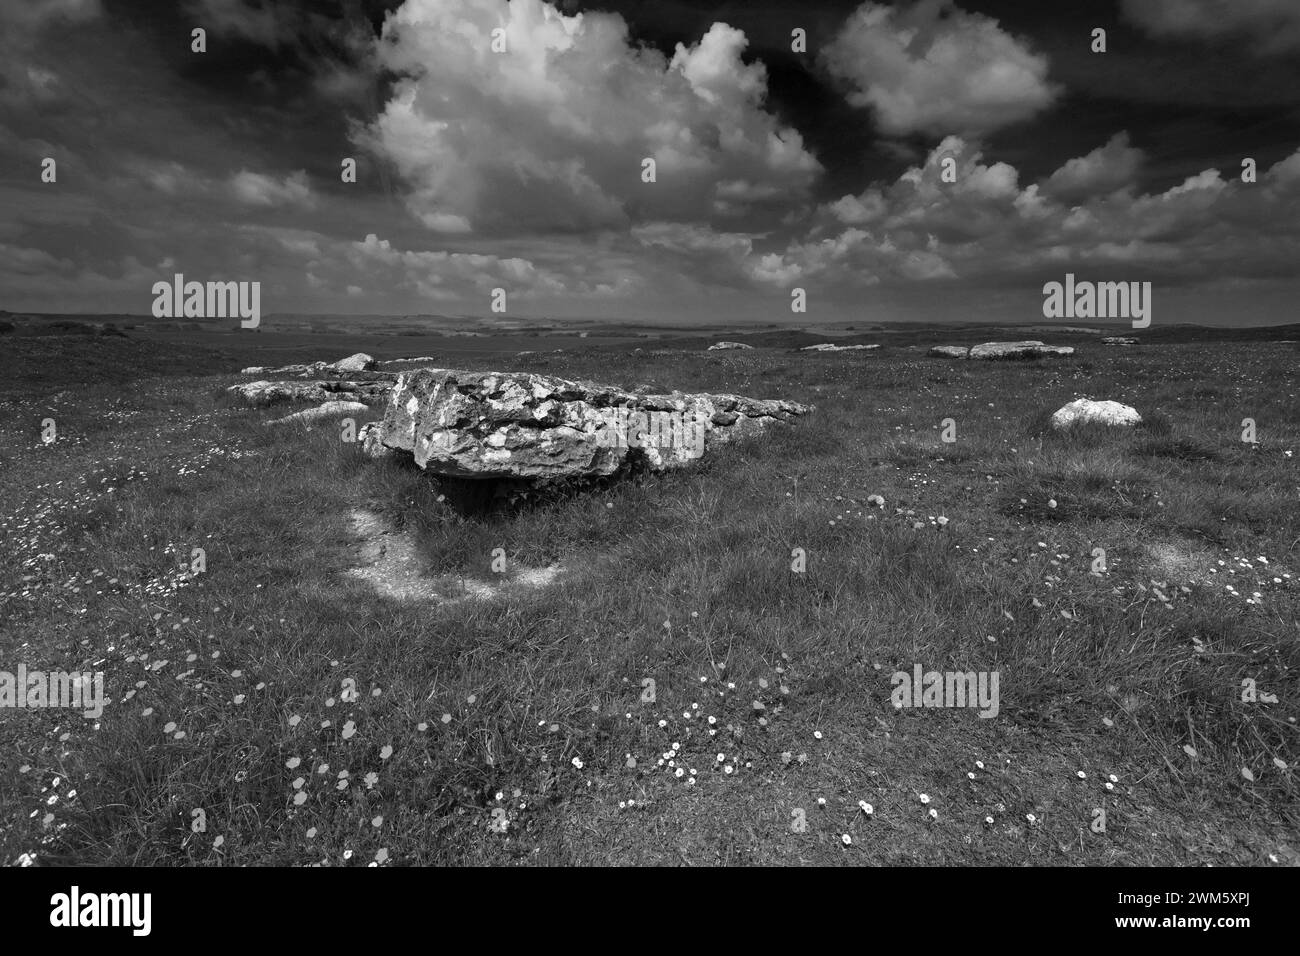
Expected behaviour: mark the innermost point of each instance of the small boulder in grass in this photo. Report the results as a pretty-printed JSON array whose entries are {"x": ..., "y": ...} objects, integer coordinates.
[
  {"x": 359, "y": 362},
  {"x": 1085, "y": 411},
  {"x": 723, "y": 346}
]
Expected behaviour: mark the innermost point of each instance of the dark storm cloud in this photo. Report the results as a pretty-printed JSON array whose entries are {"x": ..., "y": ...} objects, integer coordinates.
[{"x": 775, "y": 166}]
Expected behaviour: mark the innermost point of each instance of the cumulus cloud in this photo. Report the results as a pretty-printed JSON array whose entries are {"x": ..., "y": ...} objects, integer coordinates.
[
  {"x": 550, "y": 135},
  {"x": 1104, "y": 170},
  {"x": 987, "y": 224},
  {"x": 1272, "y": 26},
  {"x": 933, "y": 68}
]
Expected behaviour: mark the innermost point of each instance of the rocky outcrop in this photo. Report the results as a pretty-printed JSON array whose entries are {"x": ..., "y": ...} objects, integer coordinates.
[
  {"x": 262, "y": 393},
  {"x": 1119, "y": 340},
  {"x": 1083, "y": 411},
  {"x": 519, "y": 425},
  {"x": 723, "y": 346},
  {"x": 828, "y": 347},
  {"x": 311, "y": 416}
]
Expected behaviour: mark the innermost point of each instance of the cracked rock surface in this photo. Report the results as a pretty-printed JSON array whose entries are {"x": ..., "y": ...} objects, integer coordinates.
[{"x": 522, "y": 425}]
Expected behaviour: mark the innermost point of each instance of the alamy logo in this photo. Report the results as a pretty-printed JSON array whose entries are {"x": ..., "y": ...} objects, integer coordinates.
[
  {"x": 102, "y": 909},
  {"x": 1098, "y": 300},
  {"x": 79, "y": 690},
  {"x": 211, "y": 300},
  {"x": 946, "y": 689},
  {"x": 625, "y": 427}
]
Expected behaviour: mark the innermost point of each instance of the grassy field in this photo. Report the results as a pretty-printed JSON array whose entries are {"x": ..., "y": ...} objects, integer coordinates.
[{"x": 495, "y": 721}]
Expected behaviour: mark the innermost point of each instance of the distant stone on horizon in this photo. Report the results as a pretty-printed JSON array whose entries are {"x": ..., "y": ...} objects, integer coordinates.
[
  {"x": 829, "y": 347},
  {"x": 949, "y": 351},
  {"x": 1015, "y": 350}
]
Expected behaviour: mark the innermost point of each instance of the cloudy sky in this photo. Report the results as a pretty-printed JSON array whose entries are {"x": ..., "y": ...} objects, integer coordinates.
[{"x": 775, "y": 168}]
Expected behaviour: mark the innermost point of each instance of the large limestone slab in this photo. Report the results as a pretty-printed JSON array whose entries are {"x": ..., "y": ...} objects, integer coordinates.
[
  {"x": 1017, "y": 350},
  {"x": 527, "y": 426}
]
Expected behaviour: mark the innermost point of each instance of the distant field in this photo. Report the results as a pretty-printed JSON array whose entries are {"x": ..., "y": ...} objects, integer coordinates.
[{"x": 517, "y": 727}]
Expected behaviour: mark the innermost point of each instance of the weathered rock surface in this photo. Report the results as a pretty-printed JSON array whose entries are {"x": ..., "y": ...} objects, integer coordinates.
[
  {"x": 1086, "y": 411},
  {"x": 721, "y": 346},
  {"x": 311, "y": 416},
  {"x": 418, "y": 358},
  {"x": 828, "y": 347},
  {"x": 525, "y": 426},
  {"x": 272, "y": 393},
  {"x": 370, "y": 436},
  {"x": 1119, "y": 340}
]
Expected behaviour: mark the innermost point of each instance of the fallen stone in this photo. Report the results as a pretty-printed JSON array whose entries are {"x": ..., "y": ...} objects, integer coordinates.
[
  {"x": 1017, "y": 350},
  {"x": 1119, "y": 340},
  {"x": 1087, "y": 411},
  {"x": 328, "y": 410},
  {"x": 263, "y": 393},
  {"x": 720, "y": 346},
  {"x": 357, "y": 362},
  {"x": 524, "y": 426},
  {"x": 949, "y": 351},
  {"x": 828, "y": 347},
  {"x": 359, "y": 365}
]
